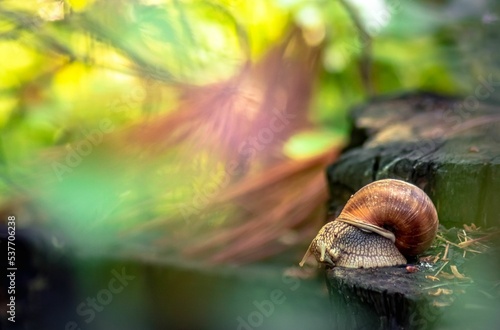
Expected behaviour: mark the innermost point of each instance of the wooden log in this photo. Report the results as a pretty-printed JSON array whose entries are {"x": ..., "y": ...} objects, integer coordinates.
[
  {"x": 445, "y": 146},
  {"x": 434, "y": 142}
]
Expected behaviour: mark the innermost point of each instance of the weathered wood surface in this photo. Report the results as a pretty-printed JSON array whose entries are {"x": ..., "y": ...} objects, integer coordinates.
[
  {"x": 386, "y": 298},
  {"x": 448, "y": 147}
]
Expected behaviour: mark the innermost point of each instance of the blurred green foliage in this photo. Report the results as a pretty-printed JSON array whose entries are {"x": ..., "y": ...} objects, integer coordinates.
[{"x": 68, "y": 65}]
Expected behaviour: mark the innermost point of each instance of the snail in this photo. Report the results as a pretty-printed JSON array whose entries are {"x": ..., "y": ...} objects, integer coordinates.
[{"x": 382, "y": 223}]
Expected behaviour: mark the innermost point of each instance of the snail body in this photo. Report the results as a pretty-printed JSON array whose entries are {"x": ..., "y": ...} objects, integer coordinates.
[{"x": 381, "y": 224}]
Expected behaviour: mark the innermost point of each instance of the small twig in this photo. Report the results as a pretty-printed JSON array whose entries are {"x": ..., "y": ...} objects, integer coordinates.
[
  {"x": 448, "y": 242},
  {"x": 445, "y": 255},
  {"x": 472, "y": 241},
  {"x": 473, "y": 251},
  {"x": 436, "y": 258},
  {"x": 465, "y": 240},
  {"x": 457, "y": 274}
]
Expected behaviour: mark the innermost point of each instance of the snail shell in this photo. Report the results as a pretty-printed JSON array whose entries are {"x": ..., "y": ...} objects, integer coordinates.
[{"x": 380, "y": 224}]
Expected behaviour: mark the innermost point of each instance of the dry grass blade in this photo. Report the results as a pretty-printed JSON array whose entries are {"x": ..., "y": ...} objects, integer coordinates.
[
  {"x": 457, "y": 243},
  {"x": 440, "y": 269}
]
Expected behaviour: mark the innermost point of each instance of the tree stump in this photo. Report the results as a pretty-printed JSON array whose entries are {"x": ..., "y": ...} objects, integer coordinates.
[
  {"x": 437, "y": 143},
  {"x": 449, "y": 148}
]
